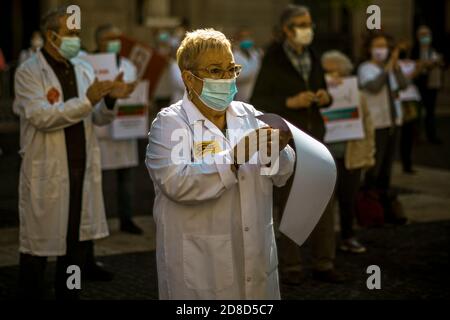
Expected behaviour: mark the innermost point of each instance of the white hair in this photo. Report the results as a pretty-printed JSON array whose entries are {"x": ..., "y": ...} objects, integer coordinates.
[{"x": 344, "y": 63}]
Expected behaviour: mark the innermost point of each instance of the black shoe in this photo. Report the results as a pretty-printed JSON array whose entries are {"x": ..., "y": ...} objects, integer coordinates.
[
  {"x": 96, "y": 272},
  {"x": 129, "y": 226},
  {"x": 329, "y": 276}
]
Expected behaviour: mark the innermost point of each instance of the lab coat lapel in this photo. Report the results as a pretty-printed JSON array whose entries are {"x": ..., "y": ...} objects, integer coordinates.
[{"x": 238, "y": 123}]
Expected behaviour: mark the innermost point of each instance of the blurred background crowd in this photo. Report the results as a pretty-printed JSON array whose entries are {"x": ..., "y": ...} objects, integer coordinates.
[{"x": 413, "y": 31}]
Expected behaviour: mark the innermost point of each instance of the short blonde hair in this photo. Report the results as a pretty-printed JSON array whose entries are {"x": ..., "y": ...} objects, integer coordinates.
[
  {"x": 345, "y": 65},
  {"x": 197, "y": 42}
]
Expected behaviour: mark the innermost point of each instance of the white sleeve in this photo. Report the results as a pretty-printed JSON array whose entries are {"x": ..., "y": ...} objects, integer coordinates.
[
  {"x": 101, "y": 115},
  {"x": 283, "y": 167},
  {"x": 176, "y": 176},
  {"x": 32, "y": 104}
]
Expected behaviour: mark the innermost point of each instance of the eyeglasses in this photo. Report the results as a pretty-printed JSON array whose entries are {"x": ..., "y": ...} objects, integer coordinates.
[
  {"x": 219, "y": 73},
  {"x": 303, "y": 26}
]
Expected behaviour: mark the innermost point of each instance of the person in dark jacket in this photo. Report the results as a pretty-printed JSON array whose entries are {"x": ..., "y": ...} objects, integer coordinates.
[
  {"x": 291, "y": 83},
  {"x": 429, "y": 80}
]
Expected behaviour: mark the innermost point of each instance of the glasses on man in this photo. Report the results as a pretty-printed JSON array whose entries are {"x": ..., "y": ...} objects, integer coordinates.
[
  {"x": 219, "y": 73},
  {"x": 303, "y": 25}
]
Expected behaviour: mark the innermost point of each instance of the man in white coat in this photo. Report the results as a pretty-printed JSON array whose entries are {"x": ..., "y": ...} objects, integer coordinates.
[
  {"x": 119, "y": 155},
  {"x": 213, "y": 212},
  {"x": 61, "y": 205}
]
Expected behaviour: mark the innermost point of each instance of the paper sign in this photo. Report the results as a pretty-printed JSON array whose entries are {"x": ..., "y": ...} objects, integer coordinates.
[
  {"x": 410, "y": 93},
  {"x": 104, "y": 64},
  {"x": 131, "y": 121},
  {"x": 149, "y": 63},
  {"x": 312, "y": 186},
  {"x": 343, "y": 118}
]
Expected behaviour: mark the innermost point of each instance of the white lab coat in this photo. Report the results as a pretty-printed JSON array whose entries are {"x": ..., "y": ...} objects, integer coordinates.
[
  {"x": 215, "y": 237},
  {"x": 117, "y": 154},
  {"x": 44, "y": 179}
]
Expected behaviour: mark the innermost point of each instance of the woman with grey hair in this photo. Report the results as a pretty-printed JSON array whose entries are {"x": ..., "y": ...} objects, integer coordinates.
[
  {"x": 351, "y": 156},
  {"x": 213, "y": 207}
]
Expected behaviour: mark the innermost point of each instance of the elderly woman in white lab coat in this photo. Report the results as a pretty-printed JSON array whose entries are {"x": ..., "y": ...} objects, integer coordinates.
[{"x": 213, "y": 205}]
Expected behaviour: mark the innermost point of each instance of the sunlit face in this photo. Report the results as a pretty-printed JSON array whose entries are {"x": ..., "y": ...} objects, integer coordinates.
[{"x": 212, "y": 64}]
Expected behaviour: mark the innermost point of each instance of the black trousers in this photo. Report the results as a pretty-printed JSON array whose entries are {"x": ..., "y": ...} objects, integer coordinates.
[
  {"x": 429, "y": 102},
  {"x": 408, "y": 134},
  {"x": 348, "y": 182},
  {"x": 32, "y": 268},
  {"x": 125, "y": 193}
]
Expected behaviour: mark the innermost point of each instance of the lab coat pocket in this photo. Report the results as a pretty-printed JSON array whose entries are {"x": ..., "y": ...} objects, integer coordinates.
[
  {"x": 45, "y": 179},
  {"x": 207, "y": 262}
]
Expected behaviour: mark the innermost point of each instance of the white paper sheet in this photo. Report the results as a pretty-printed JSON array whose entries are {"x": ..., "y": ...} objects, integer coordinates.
[
  {"x": 313, "y": 185},
  {"x": 104, "y": 64},
  {"x": 343, "y": 118},
  {"x": 410, "y": 93},
  {"x": 133, "y": 125}
]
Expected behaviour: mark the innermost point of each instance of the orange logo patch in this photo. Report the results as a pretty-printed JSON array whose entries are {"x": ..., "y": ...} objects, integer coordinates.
[{"x": 53, "y": 95}]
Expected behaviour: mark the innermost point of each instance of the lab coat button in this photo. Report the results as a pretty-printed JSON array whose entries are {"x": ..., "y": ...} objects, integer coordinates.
[
  {"x": 247, "y": 228},
  {"x": 249, "y": 279}
]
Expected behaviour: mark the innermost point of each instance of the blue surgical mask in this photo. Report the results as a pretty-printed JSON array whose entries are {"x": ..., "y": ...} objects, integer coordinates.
[
  {"x": 246, "y": 44},
  {"x": 425, "y": 40},
  {"x": 113, "y": 46},
  {"x": 217, "y": 93},
  {"x": 69, "y": 47}
]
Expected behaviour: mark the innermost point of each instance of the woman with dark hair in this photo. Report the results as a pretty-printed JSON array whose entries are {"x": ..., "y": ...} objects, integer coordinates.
[{"x": 380, "y": 79}]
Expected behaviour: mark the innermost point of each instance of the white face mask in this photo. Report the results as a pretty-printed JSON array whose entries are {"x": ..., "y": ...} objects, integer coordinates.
[
  {"x": 380, "y": 54},
  {"x": 304, "y": 36}
]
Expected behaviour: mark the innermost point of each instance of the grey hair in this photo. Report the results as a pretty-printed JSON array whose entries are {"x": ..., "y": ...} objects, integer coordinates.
[
  {"x": 50, "y": 21},
  {"x": 197, "y": 42},
  {"x": 345, "y": 65},
  {"x": 292, "y": 11}
]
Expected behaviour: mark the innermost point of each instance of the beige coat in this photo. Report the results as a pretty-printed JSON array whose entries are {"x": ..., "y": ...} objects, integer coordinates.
[{"x": 361, "y": 153}]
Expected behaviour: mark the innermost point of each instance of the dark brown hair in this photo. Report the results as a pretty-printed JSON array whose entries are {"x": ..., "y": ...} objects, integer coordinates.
[{"x": 370, "y": 37}]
